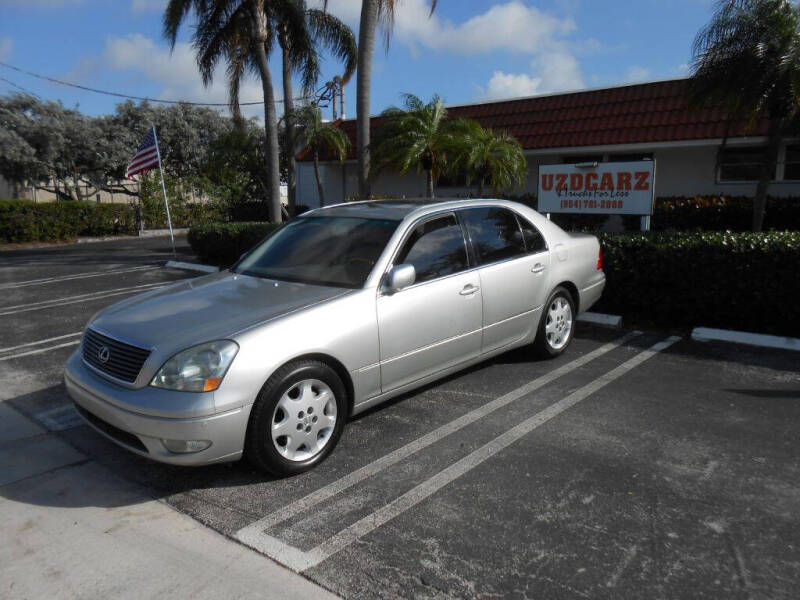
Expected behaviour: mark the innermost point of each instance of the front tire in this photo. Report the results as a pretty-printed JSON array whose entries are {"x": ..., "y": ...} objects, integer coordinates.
[
  {"x": 557, "y": 325},
  {"x": 297, "y": 418}
]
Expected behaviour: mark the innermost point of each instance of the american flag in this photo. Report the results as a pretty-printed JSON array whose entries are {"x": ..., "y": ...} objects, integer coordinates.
[{"x": 146, "y": 156}]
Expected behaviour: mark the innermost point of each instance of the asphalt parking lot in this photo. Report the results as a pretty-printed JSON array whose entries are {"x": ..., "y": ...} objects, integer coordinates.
[{"x": 639, "y": 464}]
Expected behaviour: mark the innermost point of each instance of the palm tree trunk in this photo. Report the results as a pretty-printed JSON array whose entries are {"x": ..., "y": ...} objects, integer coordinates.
[
  {"x": 341, "y": 99},
  {"x": 259, "y": 24},
  {"x": 288, "y": 109},
  {"x": 319, "y": 178},
  {"x": 767, "y": 173},
  {"x": 366, "y": 47},
  {"x": 429, "y": 186}
]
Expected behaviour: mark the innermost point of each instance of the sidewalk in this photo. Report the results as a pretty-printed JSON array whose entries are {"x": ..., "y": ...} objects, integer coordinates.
[{"x": 74, "y": 529}]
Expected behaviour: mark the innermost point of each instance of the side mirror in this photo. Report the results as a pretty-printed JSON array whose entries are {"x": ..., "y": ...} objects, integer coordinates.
[{"x": 401, "y": 276}]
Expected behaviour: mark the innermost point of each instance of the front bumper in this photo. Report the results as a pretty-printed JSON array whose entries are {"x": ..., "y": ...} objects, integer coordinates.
[{"x": 143, "y": 433}]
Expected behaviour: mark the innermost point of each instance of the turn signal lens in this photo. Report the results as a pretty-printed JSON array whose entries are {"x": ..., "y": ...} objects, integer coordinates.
[{"x": 212, "y": 383}]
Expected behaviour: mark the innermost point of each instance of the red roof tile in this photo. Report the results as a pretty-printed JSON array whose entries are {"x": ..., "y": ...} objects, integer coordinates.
[{"x": 641, "y": 113}]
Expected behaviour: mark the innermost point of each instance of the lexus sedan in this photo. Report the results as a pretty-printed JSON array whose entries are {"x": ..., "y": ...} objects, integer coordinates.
[{"x": 339, "y": 310}]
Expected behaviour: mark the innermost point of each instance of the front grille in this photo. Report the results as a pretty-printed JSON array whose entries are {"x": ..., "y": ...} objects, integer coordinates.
[
  {"x": 123, "y": 361},
  {"x": 123, "y": 437}
]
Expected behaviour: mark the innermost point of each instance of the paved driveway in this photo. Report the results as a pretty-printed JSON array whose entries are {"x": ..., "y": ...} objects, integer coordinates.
[{"x": 637, "y": 465}]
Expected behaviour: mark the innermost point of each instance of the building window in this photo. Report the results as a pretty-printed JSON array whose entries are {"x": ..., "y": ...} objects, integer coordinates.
[
  {"x": 742, "y": 164},
  {"x": 791, "y": 169}
]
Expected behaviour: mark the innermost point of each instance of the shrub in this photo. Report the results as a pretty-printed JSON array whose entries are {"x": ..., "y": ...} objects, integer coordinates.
[
  {"x": 223, "y": 243},
  {"x": 26, "y": 221},
  {"x": 745, "y": 281},
  {"x": 720, "y": 213}
]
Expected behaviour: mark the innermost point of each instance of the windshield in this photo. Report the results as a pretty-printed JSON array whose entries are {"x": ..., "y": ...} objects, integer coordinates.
[{"x": 334, "y": 251}]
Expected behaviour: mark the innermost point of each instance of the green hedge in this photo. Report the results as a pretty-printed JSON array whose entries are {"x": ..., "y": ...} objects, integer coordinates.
[
  {"x": 26, "y": 221},
  {"x": 223, "y": 243},
  {"x": 744, "y": 281}
]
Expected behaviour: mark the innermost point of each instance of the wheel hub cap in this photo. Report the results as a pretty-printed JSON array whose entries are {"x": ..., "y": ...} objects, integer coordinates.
[
  {"x": 558, "y": 326},
  {"x": 304, "y": 420}
]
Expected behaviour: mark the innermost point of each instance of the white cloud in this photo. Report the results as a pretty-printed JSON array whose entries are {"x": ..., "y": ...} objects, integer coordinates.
[
  {"x": 6, "y": 47},
  {"x": 510, "y": 27},
  {"x": 176, "y": 72},
  {"x": 556, "y": 72},
  {"x": 512, "y": 85},
  {"x": 636, "y": 73}
]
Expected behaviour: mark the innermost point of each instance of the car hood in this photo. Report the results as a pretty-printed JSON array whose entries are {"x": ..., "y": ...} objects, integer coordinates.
[{"x": 207, "y": 308}]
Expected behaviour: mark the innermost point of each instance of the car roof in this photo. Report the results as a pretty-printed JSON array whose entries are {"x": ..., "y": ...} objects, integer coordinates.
[{"x": 398, "y": 209}]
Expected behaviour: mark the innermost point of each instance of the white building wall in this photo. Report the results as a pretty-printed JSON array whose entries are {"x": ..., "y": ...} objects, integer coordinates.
[{"x": 686, "y": 170}]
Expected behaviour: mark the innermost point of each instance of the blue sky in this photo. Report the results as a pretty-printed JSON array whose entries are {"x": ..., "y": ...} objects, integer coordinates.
[{"x": 470, "y": 50}]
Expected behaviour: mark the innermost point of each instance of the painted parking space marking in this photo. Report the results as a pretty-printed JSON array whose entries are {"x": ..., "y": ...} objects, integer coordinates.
[
  {"x": 426, "y": 440},
  {"x": 259, "y": 539},
  {"x": 46, "y": 280},
  {"x": 21, "y": 308},
  {"x": 38, "y": 342},
  {"x": 39, "y": 350}
]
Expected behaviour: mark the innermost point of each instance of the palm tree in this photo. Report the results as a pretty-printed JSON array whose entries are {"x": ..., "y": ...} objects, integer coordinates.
[
  {"x": 747, "y": 59},
  {"x": 419, "y": 135},
  {"x": 372, "y": 12},
  {"x": 320, "y": 138},
  {"x": 236, "y": 31},
  {"x": 488, "y": 156},
  {"x": 300, "y": 30}
]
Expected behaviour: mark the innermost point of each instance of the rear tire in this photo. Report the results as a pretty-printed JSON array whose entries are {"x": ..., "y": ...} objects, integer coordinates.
[
  {"x": 297, "y": 418},
  {"x": 557, "y": 324}
]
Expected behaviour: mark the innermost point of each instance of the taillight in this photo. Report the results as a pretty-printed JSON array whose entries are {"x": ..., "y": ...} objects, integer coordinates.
[{"x": 600, "y": 259}]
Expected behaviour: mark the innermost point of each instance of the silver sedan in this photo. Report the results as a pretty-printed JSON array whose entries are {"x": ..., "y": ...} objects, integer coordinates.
[{"x": 339, "y": 310}]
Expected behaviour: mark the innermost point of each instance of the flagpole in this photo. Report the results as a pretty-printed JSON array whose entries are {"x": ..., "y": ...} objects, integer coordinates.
[{"x": 164, "y": 189}]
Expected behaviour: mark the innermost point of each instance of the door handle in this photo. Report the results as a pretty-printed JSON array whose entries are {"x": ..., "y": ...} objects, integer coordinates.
[
  {"x": 537, "y": 268},
  {"x": 469, "y": 289}
]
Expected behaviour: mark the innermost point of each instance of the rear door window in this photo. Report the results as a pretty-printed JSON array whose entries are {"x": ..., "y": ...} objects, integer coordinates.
[
  {"x": 494, "y": 232},
  {"x": 534, "y": 240},
  {"x": 436, "y": 248}
]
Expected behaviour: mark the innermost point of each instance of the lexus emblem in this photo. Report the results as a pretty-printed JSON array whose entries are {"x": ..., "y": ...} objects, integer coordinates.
[{"x": 103, "y": 354}]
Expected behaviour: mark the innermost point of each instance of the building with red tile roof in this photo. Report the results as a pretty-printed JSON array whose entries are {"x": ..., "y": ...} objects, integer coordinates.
[{"x": 650, "y": 121}]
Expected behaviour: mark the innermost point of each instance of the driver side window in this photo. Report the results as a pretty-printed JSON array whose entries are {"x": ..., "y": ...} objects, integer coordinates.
[{"x": 435, "y": 248}]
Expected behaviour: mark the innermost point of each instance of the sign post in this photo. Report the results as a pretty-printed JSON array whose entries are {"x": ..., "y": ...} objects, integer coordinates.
[{"x": 612, "y": 188}]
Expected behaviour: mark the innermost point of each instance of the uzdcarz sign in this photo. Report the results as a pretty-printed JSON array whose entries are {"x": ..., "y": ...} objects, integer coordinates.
[{"x": 621, "y": 188}]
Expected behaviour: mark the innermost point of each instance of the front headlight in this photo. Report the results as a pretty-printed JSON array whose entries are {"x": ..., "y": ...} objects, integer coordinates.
[{"x": 198, "y": 369}]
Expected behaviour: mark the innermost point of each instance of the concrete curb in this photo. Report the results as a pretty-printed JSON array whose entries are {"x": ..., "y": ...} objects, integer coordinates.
[
  {"x": 601, "y": 319},
  {"x": 707, "y": 334},
  {"x": 162, "y": 232},
  {"x": 176, "y": 264}
]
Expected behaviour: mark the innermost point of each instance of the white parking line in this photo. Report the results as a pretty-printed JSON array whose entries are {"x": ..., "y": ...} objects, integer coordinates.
[
  {"x": 39, "y": 351},
  {"x": 416, "y": 495},
  {"x": 253, "y": 533},
  {"x": 300, "y": 561},
  {"x": 20, "y": 308},
  {"x": 38, "y": 342},
  {"x": 45, "y": 280}
]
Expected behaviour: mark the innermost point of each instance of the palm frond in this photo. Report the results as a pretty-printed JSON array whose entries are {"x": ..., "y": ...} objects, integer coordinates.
[{"x": 337, "y": 37}]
